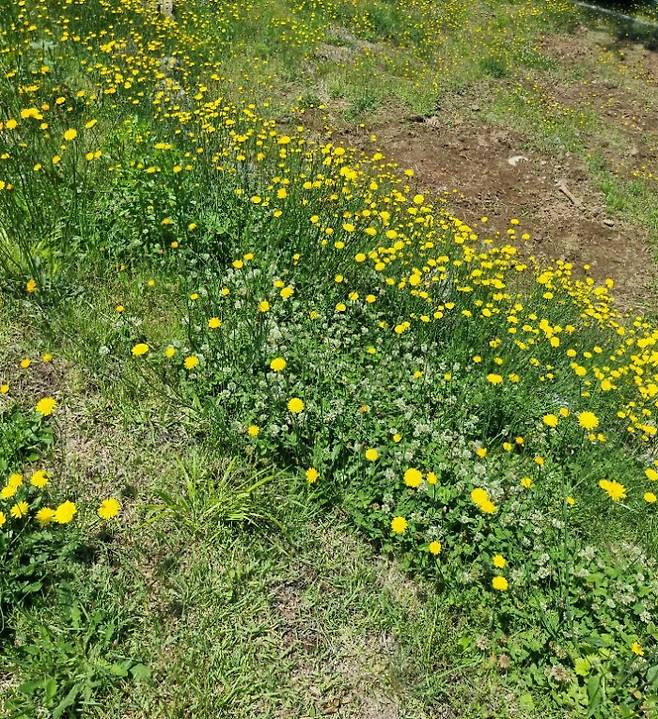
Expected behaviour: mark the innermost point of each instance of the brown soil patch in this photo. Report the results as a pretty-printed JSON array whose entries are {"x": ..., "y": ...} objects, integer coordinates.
[
  {"x": 488, "y": 171},
  {"x": 633, "y": 59}
]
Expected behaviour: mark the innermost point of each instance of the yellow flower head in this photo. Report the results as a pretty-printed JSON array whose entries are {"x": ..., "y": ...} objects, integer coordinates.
[
  {"x": 636, "y": 648},
  {"x": 278, "y": 364},
  {"x": 19, "y": 510},
  {"x": 214, "y": 323},
  {"x": 500, "y": 584},
  {"x": 70, "y": 134},
  {"x": 479, "y": 495},
  {"x": 295, "y": 405},
  {"x": 45, "y": 515},
  {"x": 550, "y": 420},
  {"x": 140, "y": 349},
  {"x": 109, "y": 508},
  {"x": 65, "y": 512},
  {"x": 371, "y": 454},
  {"x": 434, "y": 547},
  {"x": 413, "y": 477},
  {"x": 39, "y": 478},
  {"x": 253, "y": 430},
  {"x": 312, "y": 475},
  {"x": 614, "y": 490},
  {"x": 399, "y": 525},
  {"x": 588, "y": 420},
  {"x": 488, "y": 507},
  {"x": 191, "y": 362},
  {"x": 499, "y": 561},
  {"x": 46, "y": 406}
]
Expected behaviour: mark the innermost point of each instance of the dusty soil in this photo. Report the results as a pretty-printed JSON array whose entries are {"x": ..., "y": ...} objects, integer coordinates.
[
  {"x": 494, "y": 171},
  {"x": 488, "y": 171}
]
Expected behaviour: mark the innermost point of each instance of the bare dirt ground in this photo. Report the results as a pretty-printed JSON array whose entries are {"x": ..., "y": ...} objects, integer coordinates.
[
  {"x": 491, "y": 170},
  {"x": 486, "y": 171}
]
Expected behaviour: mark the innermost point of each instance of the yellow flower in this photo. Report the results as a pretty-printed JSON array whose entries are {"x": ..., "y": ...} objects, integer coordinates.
[
  {"x": 434, "y": 547},
  {"x": 31, "y": 286},
  {"x": 479, "y": 495},
  {"x": 45, "y": 515},
  {"x": 287, "y": 293},
  {"x": 65, "y": 512},
  {"x": 4, "y": 388},
  {"x": 26, "y": 362},
  {"x": 651, "y": 474},
  {"x": 588, "y": 420},
  {"x": 413, "y": 478},
  {"x": 371, "y": 454},
  {"x": 70, "y": 134},
  {"x": 499, "y": 561},
  {"x": 295, "y": 405},
  {"x": 140, "y": 349},
  {"x": 494, "y": 379},
  {"x": 46, "y": 406},
  {"x": 637, "y": 649},
  {"x": 488, "y": 507},
  {"x": 570, "y": 501},
  {"x": 109, "y": 508},
  {"x": 312, "y": 475},
  {"x": 263, "y": 306},
  {"x": 3, "y": 519},
  {"x": 214, "y": 323},
  {"x": 432, "y": 478},
  {"x": 500, "y": 584},
  {"x": 170, "y": 351},
  {"x": 39, "y": 478},
  {"x": 481, "y": 452},
  {"x": 278, "y": 364},
  {"x": 8, "y": 491},
  {"x": 253, "y": 430},
  {"x": 19, "y": 510},
  {"x": 191, "y": 362},
  {"x": 550, "y": 420},
  {"x": 399, "y": 525},
  {"x": 614, "y": 490},
  {"x": 649, "y": 497},
  {"x": 526, "y": 482}
]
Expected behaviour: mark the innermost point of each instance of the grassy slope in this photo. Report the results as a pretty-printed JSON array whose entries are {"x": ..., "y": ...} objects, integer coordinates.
[{"x": 297, "y": 618}]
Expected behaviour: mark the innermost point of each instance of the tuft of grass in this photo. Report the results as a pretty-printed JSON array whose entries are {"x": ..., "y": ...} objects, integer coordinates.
[{"x": 210, "y": 497}]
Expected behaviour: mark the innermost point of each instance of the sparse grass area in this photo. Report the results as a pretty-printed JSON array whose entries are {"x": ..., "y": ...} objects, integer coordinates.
[{"x": 280, "y": 436}]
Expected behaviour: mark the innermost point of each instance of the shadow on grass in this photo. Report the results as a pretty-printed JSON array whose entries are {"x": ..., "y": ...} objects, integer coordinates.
[{"x": 635, "y": 22}]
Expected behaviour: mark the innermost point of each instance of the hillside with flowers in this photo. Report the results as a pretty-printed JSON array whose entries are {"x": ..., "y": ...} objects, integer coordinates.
[{"x": 284, "y": 434}]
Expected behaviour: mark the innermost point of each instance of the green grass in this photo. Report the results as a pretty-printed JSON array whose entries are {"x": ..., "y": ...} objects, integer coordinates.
[{"x": 229, "y": 585}]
